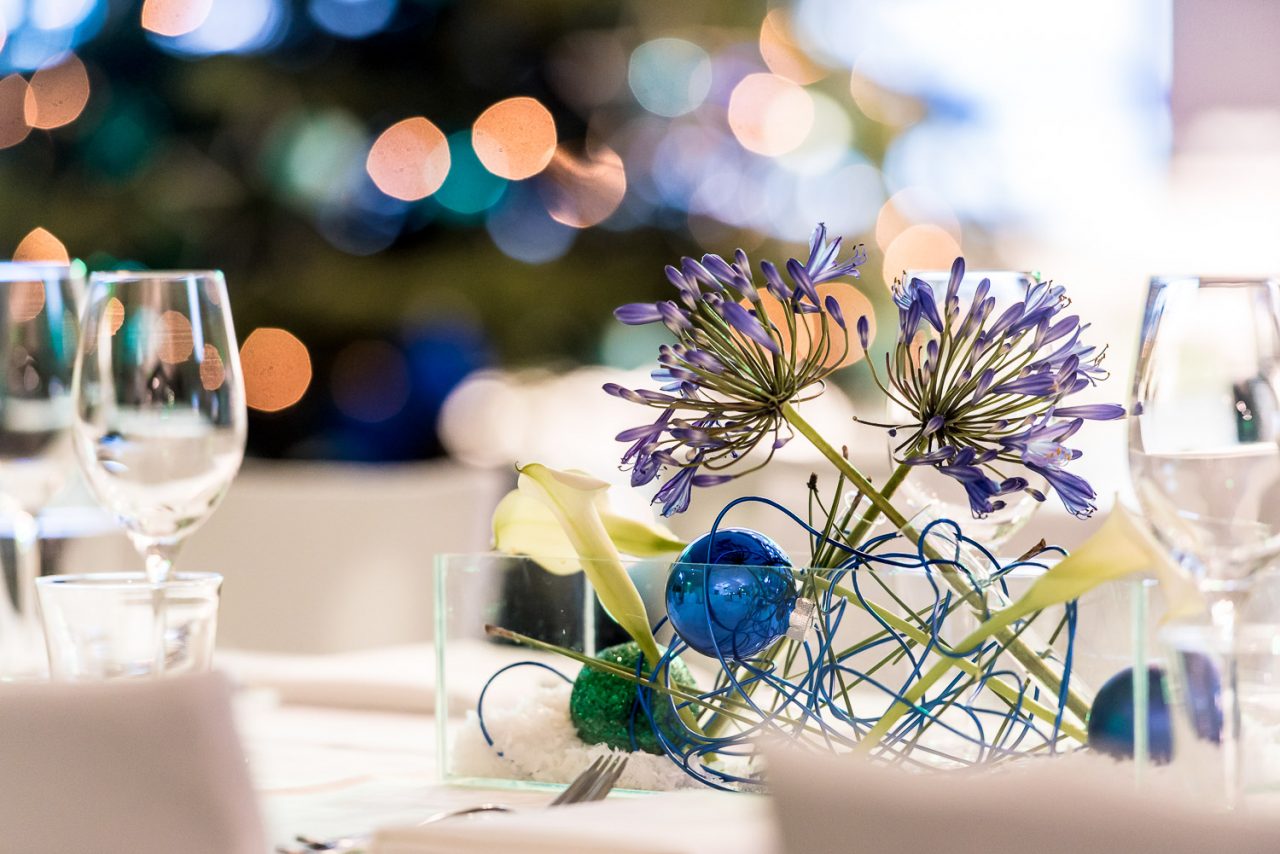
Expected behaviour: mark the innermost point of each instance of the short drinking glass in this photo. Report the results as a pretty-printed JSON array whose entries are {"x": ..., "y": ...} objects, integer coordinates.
[{"x": 102, "y": 626}]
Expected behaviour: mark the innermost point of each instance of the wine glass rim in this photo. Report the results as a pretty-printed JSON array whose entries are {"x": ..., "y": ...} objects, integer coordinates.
[
  {"x": 119, "y": 276},
  {"x": 1215, "y": 281},
  {"x": 22, "y": 271},
  {"x": 126, "y": 580},
  {"x": 970, "y": 273}
]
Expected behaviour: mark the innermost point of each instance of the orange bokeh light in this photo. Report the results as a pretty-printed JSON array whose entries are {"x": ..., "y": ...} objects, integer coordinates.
[
  {"x": 174, "y": 17},
  {"x": 57, "y": 94},
  {"x": 175, "y": 343},
  {"x": 213, "y": 373},
  {"x": 41, "y": 245},
  {"x": 920, "y": 247},
  {"x": 515, "y": 139},
  {"x": 584, "y": 188},
  {"x": 910, "y": 207},
  {"x": 769, "y": 114},
  {"x": 115, "y": 314},
  {"x": 26, "y": 300},
  {"x": 277, "y": 369},
  {"x": 780, "y": 52},
  {"x": 13, "y": 117},
  {"x": 853, "y": 305},
  {"x": 409, "y": 160}
]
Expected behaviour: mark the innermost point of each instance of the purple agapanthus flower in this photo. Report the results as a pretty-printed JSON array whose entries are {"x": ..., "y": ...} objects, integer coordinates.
[
  {"x": 725, "y": 380},
  {"x": 986, "y": 385}
]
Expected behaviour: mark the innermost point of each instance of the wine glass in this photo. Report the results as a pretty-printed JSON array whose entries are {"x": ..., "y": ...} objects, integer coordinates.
[
  {"x": 932, "y": 495},
  {"x": 38, "y": 333},
  {"x": 1203, "y": 452},
  {"x": 160, "y": 415}
]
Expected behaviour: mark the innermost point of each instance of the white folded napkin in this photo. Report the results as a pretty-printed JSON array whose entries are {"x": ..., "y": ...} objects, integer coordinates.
[
  {"x": 676, "y": 823},
  {"x": 1064, "y": 805},
  {"x": 385, "y": 679},
  {"x": 143, "y": 767}
]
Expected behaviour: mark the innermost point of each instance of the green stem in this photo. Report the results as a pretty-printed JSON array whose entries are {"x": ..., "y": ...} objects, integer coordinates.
[
  {"x": 1037, "y": 666},
  {"x": 890, "y": 487}
]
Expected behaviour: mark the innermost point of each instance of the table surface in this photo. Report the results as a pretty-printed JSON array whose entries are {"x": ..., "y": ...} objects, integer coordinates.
[{"x": 331, "y": 772}]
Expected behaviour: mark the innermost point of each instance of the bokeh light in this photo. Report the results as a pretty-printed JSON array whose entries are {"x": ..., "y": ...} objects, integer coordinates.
[
  {"x": 780, "y": 52},
  {"x": 409, "y": 160},
  {"x": 469, "y": 188},
  {"x": 920, "y": 247},
  {"x": 277, "y": 369},
  {"x": 853, "y": 305},
  {"x": 515, "y": 139},
  {"x": 114, "y": 314},
  {"x": 370, "y": 381},
  {"x": 584, "y": 187},
  {"x": 174, "y": 17},
  {"x": 175, "y": 342},
  {"x": 57, "y": 94},
  {"x": 352, "y": 19},
  {"x": 60, "y": 14},
  {"x": 913, "y": 206},
  {"x": 13, "y": 119},
  {"x": 483, "y": 420},
  {"x": 213, "y": 372},
  {"x": 521, "y": 227},
  {"x": 769, "y": 114},
  {"x": 669, "y": 77},
  {"x": 828, "y": 141},
  {"x": 26, "y": 300},
  {"x": 41, "y": 245},
  {"x": 882, "y": 105},
  {"x": 245, "y": 26}
]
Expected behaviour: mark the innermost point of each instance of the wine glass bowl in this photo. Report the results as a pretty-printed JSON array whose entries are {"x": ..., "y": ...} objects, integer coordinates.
[
  {"x": 38, "y": 335},
  {"x": 1205, "y": 424},
  {"x": 160, "y": 417}
]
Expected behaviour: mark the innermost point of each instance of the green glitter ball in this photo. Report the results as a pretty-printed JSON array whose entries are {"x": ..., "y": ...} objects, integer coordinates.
[{"x": 602, "y": 703}]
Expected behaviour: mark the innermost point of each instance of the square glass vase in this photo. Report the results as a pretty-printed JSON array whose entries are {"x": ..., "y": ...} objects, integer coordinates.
[{"x": 508, "y": 630}]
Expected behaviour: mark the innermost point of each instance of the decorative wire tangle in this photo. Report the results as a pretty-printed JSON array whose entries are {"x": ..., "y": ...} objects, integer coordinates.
[{"x": 803, "y": 692}]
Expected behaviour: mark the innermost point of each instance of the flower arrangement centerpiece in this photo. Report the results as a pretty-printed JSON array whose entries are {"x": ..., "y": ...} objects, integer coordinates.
[{"x": 968, "y": 673}]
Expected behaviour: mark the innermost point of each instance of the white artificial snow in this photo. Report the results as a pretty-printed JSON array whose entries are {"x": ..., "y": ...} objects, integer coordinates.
[{"x": 538, "y": 742}]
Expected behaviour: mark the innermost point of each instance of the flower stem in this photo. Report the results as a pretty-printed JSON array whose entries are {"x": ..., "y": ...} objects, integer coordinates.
[
  {"x": 890, "y": 487},
  {"x": 1037, "y": 667}
]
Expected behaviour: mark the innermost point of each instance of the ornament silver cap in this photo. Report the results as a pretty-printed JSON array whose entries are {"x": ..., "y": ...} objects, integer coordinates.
[{"x": 802, "y": 618}]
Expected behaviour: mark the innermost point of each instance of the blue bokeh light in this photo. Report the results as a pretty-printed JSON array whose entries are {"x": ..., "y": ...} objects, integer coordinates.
[
  {"x": 521, "y": 227},
  {"x": 245, "y": 26},
  {"x": 470, "y": 188},
  {"x": 352, "y": 19}
]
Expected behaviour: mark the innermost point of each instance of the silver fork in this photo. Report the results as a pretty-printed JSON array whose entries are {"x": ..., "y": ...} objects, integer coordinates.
[{"x": 593, "y": 784}]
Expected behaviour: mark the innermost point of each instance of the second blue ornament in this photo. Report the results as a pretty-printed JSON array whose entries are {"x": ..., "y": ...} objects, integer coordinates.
[{"x": 732, "y": 593}]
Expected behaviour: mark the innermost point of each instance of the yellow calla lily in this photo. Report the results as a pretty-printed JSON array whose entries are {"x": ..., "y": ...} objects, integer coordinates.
[
  {"x": 573, "y": 500},
  {"x": 1122, "y": 546},
  {"x": 525, "y": 525}
]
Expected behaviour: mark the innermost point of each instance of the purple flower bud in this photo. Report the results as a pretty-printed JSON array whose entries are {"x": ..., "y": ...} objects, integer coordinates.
[
  {"x": 953, "y": 284},
  {"x": 933, "y": 425},
  {"x": 1092, "y": 411},
  {"x": 774, "y": 283},
  {"x": 746, "y": 323},
  {"x": 638, "y": 313},
  {"x": 984, "y": 384},
  {"x": 703, "y": 480},
  {"x": 833, "y": 309},
  {"x": 864, "y": 332},
  {"x": 696, "y": 271},
  {"x": 675, "y": 318},
  {"x": 804, "y": 284},
  {"x": 624, "y": 393},
  {"x": 704, "y": 360}
]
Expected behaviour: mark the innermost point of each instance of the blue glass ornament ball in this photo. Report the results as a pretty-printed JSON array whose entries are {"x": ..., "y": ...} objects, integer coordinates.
[
  {"x": 1111, "y": 718},
  {"x": 731, "y": 594}
]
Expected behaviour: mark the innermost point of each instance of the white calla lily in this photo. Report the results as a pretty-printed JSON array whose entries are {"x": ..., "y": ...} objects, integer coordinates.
[{"x": 573, "y": 502}]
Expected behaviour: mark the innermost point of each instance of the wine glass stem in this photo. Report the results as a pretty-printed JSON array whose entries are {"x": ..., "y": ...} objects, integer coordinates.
[
  {"x": 159, "y": 564},
  {"x": 1223, "y": 612}
]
